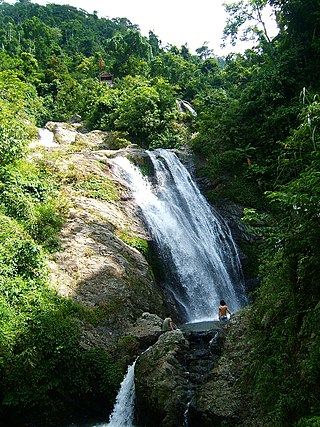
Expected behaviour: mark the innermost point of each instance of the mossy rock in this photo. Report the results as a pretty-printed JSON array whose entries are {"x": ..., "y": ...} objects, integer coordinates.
[{"x": 161, "y": 387}]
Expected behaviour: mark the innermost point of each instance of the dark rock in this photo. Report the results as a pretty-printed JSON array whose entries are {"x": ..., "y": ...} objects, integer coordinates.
[
  {"x": 161, "y": 384},
  {"x": 146, "y": 330},
  {"x": 76, "y": 118},
  {"x": 194, "y": 378},
  {"x": 219, "y": 399},
  {"x": 168, "y": 375}
]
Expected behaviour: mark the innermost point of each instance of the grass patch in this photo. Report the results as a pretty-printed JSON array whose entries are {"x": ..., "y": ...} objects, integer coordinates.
[
  {"x": 98, "y": 188},
  {"x": 135, "y": 242}
]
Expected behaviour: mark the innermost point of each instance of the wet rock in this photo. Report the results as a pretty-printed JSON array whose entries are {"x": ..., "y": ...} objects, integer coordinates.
[
  {"x": 220, "y": 399},
  {"x": 161, "y": 384},
  {"x": 146, "y": 330},
  {"x": 195, "y": 379},
  {"x": 169, "y": 374}
]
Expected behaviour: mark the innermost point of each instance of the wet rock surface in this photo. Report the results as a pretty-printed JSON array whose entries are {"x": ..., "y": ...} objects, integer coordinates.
[
  {"x": 169, "y": 374},
  {"x": 192, "y": 378},
  {"x": 161, "y": 383},
  {"x": 222, "y": 399}
]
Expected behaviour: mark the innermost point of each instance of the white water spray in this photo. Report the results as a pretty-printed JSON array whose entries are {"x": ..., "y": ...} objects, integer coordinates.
[
  {"x": 195, "y": 245},
  {"x": 123, "y": 411},
  {"x": 45, "y": 138}
]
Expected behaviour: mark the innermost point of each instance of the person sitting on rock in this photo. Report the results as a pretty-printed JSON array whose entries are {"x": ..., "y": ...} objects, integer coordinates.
[
  {"x": 168, "y": 325},
  {"x": 223, "y": 310}
]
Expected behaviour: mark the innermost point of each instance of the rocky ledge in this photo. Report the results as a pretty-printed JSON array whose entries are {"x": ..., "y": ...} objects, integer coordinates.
[{"x": 193, "y": 378}]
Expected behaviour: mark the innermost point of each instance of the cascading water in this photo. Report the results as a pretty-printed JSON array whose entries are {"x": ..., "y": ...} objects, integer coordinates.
[
  {"x": 45, "y": 138},
  {"x": 194, "y": 243},
  {"x": 123, "y": 411}
]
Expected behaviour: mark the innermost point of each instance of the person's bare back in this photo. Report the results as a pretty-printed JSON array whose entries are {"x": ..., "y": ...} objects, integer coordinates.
[{"x": 223, "y": 310}]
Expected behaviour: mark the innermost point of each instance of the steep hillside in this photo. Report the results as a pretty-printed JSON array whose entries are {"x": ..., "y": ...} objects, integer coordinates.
[
  {"x": 99, "y": 263},
  {"x": 99, "y": 272}
]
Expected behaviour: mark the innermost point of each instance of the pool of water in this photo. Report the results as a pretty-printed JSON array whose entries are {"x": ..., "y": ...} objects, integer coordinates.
[{"x": 200, "y": 326}]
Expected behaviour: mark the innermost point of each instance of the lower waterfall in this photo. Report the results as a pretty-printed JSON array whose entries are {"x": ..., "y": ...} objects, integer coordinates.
[
  {"x": 194, "y": 243},
  {"x": 123, "y": 411}
]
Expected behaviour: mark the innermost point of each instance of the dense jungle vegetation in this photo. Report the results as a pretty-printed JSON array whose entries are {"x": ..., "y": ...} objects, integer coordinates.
[{"x": 255, "y": 136}]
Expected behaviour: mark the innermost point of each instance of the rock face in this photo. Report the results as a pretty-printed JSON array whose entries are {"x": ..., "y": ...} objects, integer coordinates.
[
  {"x": 96, "y": 265},
  {"x": 168, "y": 375},
  {"x": 193, "y": 378},
  {"x": 220, "y": 399},
  {"x": 96, "y": 268},
  {"x": 161, "y": 383}
]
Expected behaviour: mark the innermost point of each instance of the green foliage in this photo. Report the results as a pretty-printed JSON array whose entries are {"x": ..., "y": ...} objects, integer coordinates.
[
  {"x": 246, "y": 16},
  {"x": 309, "y": 422},
  {"x": 139, "y": 113},
  {"x": 49, "y": 218},
  {"x": 101, "y": 189},
  {"x": 18, "y": 254},
  {"x": 40, "y": 352},
  {"x": 118, "y": 140},
  {"x": 282, "y": 345},
  {"x": 13, "y": 138},
  {"x": 20, "y": 99},
  {"x": 135, "y": 242},
  {"x": 146, "y": 112},
  {"x": 141, "y": 108},
  {"x": 255, "y": 136},
  {"x": 18, "y": 105},
  {"x": 30, "y": 197},
  {"x": 103, "y": 109},
  {"x": 286, "y": 315},
  {"x": 130, "y": 52},
  {"x": 48, "y": 344}
]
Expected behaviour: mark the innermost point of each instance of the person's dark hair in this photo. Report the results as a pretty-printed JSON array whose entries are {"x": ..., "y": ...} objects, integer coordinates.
[{"x": 222, "y": 302}]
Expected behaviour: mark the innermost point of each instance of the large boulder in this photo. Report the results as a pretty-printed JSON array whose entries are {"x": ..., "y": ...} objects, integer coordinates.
[
  {"x": 221, "y": 399},
  {"x": 146, "y": 330},
  {"x": 161, "y": 383},
  {"x": 75, "y": 134}
]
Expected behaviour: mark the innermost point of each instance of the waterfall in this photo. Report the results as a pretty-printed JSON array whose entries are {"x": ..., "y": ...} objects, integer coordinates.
[
  {"x": 195, "y": 245},
  {"x": 123, "y": 411},
  {"x": 45, "y": 138}
]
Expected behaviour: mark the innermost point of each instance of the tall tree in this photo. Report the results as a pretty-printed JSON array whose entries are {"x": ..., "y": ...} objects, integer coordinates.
[{"x": 247, "y": 18}]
